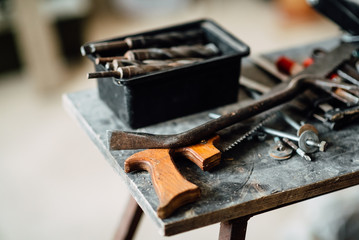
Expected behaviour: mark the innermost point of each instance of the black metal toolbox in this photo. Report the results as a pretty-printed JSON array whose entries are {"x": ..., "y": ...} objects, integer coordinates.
[{"x": 159, "y": 96}]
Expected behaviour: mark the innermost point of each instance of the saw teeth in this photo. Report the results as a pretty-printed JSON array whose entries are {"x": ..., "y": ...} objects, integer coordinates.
[{"x": 252, "y": 131}]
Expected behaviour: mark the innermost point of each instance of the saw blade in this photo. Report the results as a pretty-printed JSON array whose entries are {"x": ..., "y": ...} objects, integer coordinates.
[{"x": 244, "y": 136}]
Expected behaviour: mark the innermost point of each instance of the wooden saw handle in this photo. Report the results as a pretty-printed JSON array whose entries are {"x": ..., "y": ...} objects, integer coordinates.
[
  {"x": 172, "y": 189},
  {"x": 204, "y": 154}
]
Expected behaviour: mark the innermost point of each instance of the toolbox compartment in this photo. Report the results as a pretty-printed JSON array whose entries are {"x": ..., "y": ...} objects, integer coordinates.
[{"x": 163, "y": 95}]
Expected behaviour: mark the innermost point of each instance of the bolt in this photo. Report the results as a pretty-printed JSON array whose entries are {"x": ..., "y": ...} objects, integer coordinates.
[
  {"x": 279, "y": 143},
  {"x": 322, "y": 145},
  {"x": 304, "y": 128},
  {"x": 308, "y": 141}
]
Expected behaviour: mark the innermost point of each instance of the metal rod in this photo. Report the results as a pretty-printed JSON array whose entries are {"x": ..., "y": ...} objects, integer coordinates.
[
  {"x": 280, "y": 134},
  {"x": 347, "y": 77},
  {"x": 290, "y": 121}
]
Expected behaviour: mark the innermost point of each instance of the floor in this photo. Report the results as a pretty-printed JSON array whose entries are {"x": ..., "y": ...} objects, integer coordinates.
[{"x": 55, "y": 184}]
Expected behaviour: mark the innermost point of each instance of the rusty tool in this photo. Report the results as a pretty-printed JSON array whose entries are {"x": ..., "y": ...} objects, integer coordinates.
[
  {"x": 168, "y": 39},
  {"x": 140, "y": 69},
  {"x": 128, "y": 71},
  {"x": 299, "y": 151},
  {"x": 116, "y": 63},
  {"x": 337, "y": 118},
  {"x": 193, "y": 51},
  {"x": 104, "y": 60},
  {"x": 340, "y": 114},
  {"x": 312, "y": 76},
  {"x": 186, "y": 52}
]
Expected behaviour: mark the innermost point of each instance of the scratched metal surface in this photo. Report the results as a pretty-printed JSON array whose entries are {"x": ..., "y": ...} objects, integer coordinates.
[{"x": 246, "y": 182}]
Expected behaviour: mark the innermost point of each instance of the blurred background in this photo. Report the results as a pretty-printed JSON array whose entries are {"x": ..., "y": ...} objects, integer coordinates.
[{"x": 54, "y": 183}]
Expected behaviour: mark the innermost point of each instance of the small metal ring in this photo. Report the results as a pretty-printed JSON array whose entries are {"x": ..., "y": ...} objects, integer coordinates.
[
  {"x": 307, "y": 127},
  {"x": 302, "y": 142}
]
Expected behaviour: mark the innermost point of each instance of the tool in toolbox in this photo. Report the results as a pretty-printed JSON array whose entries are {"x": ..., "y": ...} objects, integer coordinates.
[
  {"x": 187, "y": 51},
  {"x": 158, "y": 40},
  {"x": 135, "y": 70},
  {"x": 136, "y": 58},
  {"x": 179, "y": 55}
]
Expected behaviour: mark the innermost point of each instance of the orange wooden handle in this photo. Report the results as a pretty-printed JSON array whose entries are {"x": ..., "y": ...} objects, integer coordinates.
[
  {"x": 204, "y": 154},
  {"x": 172, "y": 189}
]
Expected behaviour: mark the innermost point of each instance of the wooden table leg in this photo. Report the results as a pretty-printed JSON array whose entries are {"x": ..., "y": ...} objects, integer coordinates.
[
  {"x": 234, "y": 229},
  {"x": 129, "y": 221}
]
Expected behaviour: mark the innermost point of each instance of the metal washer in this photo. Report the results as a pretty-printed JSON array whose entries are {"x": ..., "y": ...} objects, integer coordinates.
[{"x": 302, "y": 142}]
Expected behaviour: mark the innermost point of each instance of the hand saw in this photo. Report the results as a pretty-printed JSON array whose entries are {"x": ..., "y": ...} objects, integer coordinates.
[{"x": 172, "y": 189}]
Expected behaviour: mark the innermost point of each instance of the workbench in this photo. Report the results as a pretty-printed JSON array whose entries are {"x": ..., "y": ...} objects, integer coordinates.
[{"x": 247, "y": 181}]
